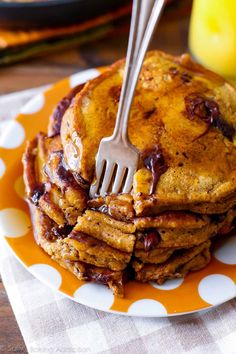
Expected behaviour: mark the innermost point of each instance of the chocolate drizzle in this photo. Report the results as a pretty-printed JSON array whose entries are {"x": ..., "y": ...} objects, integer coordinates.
[
  {"x": 208, "y": 111},
  {"x": 155, "y": 163}
]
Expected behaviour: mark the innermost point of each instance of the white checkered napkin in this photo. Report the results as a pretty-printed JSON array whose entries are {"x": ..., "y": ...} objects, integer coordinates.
[{"x": 50, "y": 323}]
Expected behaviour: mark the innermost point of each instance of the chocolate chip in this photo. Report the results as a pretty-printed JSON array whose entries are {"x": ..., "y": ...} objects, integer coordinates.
[
  {"x": 62, "y": 232},
  {"x": 217, "y": 218},
  {"x": 37, "y": 193},
  {"x": 199, "y": 106},
  {"x": 185, "y": 77},
  {"x": 149, "y": 113},
  {"x": 80, "y": 180},
  {"x": 208, "y": 111},
  {"x": 226, "y": 128},
  {"x": 151, "y": 239},
  {"x": 154, "y": 162},
  {"x": 63, "y": 172},
  {"x": 173, "y": 70},
  {"x": 114, "y": 92}
]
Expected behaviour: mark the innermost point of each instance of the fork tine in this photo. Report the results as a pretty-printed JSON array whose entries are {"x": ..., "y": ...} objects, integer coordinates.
[
  {"x": 118, "y": 179},
  {"x": 107, "y": 178},
  {"x": 128, "y": 181},
  {"x": 99, "y": 169}
]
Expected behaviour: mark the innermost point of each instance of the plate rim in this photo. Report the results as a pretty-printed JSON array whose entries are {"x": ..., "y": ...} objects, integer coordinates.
[
  {"x": 46, "y": 283},
  {"x": 206, "y": 309}
]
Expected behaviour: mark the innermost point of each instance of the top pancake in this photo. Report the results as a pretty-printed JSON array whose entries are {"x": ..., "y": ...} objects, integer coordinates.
[{"x": 182, "y": 121}]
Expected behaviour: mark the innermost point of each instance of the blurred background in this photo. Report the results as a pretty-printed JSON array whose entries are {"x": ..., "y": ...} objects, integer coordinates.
[{"x": 44, "y": 41}]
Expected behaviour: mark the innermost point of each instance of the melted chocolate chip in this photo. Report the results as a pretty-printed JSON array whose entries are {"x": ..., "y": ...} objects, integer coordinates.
[
  {"x": 86, "y": 239},
  {"x": 61, "y": 108},
  {"x": 64, "y": 174},
  {"x": 208, "y": 111},
  {"x": 103, "y": 276},
  {"x": 114, "y": 92},
  {"x": 62, "y": 232},
  {"x": 81, "y": 181},
  {"x": 151, "y": 239},
  {"x": 173, "y": 70},
  {"x": 217, "y": 218},
  {"x": 49, "y": 236},
  {"x": 186, "y": 77},
  {"x": 37, "y": 193},
  {"x": 201, "y": 107},
  {"x": 156, "y": 164},
  {"x": 226, "y": 128},
  {"x": 148, "y": 114}
]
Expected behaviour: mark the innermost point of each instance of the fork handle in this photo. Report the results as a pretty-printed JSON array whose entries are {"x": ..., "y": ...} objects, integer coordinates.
[
  {"x": 141, "y": 32},
  {"x": 140, "y": 16}
]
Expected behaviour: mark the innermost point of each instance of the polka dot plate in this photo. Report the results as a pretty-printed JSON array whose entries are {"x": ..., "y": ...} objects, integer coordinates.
[{"x": 198, "y": 291}]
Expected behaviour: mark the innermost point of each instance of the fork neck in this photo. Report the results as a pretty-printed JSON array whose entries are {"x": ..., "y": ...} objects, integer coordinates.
[{"x": 137, "y": 47}]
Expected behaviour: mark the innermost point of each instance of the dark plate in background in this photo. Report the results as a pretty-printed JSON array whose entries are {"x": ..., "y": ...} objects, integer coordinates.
[{"x": 51, "y": 13}]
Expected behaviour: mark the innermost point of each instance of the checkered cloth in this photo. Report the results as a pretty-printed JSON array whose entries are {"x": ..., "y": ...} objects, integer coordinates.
[{"x": 50, "y": 323}]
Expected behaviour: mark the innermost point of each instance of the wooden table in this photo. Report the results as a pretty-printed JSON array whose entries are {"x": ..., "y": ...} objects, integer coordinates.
[{"x": 171, "y": 37}]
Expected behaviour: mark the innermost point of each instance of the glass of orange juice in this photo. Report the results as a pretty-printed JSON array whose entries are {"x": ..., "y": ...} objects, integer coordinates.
[{"x": 212, "y": 35}]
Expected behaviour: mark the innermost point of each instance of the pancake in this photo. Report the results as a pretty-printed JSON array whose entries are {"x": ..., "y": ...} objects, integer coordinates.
[
  {"x": 182, "y": 117},
  {"x": 180, "y": 229},
  {"x": 47, "y": 235},
  {"x": 59, "y": 196},
  {"x": 54, "y": 241},
  {"x": 183, "y": 197},
  {"x": 49, "y": 184},
  {"x": 177, "y": 266}
]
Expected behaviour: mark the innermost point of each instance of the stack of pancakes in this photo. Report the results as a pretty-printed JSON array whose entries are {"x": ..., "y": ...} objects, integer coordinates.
[{"x": 182, "y": 121}]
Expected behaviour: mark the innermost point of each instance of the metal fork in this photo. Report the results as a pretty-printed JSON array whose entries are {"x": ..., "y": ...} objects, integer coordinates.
[{"x": 117, "y": 159}]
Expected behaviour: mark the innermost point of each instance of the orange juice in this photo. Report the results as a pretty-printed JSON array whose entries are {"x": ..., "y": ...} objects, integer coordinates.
[{"x": 212, "y": 36}]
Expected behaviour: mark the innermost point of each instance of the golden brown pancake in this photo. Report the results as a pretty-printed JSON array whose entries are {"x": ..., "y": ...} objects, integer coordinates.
[
  {"x": 49, "y": 237},
  {"x": 183, "y": 123},
  {"x": 177, "y": 266},
  {"x": 49, "y": 184}
]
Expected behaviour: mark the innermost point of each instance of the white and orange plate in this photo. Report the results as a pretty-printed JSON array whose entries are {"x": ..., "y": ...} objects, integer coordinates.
[{"x": 198, "y": 291}]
